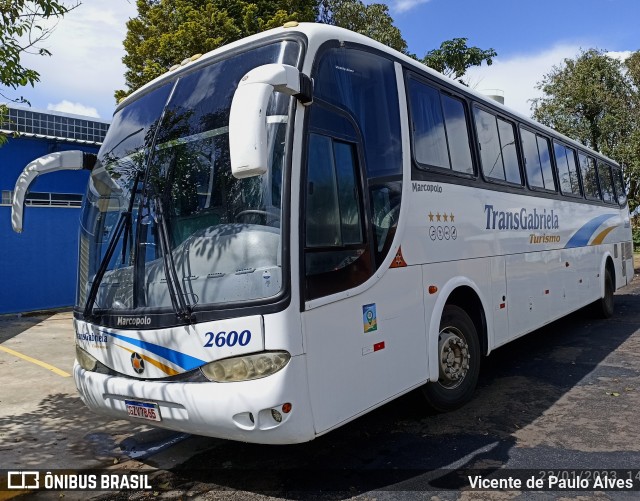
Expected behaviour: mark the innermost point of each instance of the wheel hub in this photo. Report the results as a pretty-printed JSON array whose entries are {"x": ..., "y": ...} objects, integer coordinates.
[{"x": 454, "y": 357}]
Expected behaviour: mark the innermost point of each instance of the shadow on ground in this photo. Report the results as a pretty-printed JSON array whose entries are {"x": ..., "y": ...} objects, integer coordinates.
[
  {"x": 403, "y": 446},
  {"x": 62, "y": 433},
  {"x": 13, "y": 325}
]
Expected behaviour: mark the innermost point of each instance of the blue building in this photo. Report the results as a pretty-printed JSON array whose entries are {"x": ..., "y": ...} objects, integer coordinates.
[{"x": 39, "y": 266}]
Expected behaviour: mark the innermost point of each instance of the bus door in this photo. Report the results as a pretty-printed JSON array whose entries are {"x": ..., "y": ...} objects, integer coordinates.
[
  {"x": 363, "y": 346},
  {"x": 364, "y": 324}
]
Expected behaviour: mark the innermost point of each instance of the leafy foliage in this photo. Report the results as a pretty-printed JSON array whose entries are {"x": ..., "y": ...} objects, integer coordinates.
[
  {"x": 455, "y": 57},
  {"x": 636, "y": 236},
  {"x": 371, "y": 20},
  {"x": 167, "y": 31},
  {"x": 21, "y": 32},
  {"x": 596, "y": 100}
]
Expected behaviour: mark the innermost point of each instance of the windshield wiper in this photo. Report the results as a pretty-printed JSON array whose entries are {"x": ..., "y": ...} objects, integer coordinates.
[
  {"x": 181, "y": 306},
  {"x": 128, "y": 235},
  {"x": 124, "y": 223},
  {"x": 113, "y": 243}
]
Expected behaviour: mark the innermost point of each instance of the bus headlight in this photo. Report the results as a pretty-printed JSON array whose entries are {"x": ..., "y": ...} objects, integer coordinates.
[
  {"x": 247, "y": 367},
  {"x": 86, "y": 361}
]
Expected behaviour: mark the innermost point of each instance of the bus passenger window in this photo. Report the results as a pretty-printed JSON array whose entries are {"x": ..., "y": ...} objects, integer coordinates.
[
  {"x": 498, "y": 153},
  {"x": 509, "y": 153},
  {"x": 606, "y": 183},
  {"x": 567, "y": 169},
  {"x": 440, "y": 134},
  {"x": 537, "y": 160},
  {"x": 589, "y": 177},
  {"x": 618, "y": 183},
  {"x": 429, "y": 137}
]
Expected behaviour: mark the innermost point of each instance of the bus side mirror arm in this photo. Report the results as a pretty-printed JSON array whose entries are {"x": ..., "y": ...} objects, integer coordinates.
[
  {"x": 248, "y": 116},
  {"x": 61, "y": 160}
]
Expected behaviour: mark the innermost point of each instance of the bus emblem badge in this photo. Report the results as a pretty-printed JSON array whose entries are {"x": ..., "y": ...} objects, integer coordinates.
[{"x": 137, "y": 363}]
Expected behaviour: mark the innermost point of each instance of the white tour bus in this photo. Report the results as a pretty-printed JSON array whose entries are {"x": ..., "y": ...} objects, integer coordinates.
[{"x": 291, "y": 230}]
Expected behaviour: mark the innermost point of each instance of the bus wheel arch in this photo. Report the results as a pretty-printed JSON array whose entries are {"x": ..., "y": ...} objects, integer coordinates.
[
  {"x": 468, "y": 299},
  {"x": 603, "y": 307},
  {"x": 461, "y": 342}
]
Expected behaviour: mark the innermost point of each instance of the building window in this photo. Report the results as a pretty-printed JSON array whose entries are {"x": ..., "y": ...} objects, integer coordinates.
[{"x": 31, "y": 122}]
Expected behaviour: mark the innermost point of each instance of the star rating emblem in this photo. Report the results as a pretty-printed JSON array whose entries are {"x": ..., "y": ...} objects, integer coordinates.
[{"x": 439, "y": 217}]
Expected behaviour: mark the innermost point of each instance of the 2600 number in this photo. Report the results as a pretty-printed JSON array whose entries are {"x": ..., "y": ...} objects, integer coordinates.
[{"x": 229, "y": 339}]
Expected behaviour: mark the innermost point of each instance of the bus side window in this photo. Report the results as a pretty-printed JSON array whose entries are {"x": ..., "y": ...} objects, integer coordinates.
[
  {"x": 618, "y": 183},
  {"x": 537, "y": 160},
  {"x": 336, "y": 253},
  {"x": 606, "y": 183},
  {"x": 439, "y": 129},
  {"x": 567, "y": 169},
  {"x": 498, "y": 154},
  {"x": 589, "y": 177}
]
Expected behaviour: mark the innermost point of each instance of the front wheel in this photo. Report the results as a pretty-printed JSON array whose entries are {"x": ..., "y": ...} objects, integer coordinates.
[{"x": 458, "y": 360}]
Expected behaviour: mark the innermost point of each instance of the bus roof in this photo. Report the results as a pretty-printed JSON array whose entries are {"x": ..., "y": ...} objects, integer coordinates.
[{"x": 318, "y": 33}]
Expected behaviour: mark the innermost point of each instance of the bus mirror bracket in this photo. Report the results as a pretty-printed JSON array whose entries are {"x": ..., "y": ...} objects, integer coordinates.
[
  {"x": 60, "y": 160},
  {"x": 248, "y": 117}
]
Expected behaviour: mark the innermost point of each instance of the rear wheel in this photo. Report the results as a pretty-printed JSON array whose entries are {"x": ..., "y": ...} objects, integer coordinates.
[
  {"x": 603, "y": 307},
  {"x": 458, "y": 360}
]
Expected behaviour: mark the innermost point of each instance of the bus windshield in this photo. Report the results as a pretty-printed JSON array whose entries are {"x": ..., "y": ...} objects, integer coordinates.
[{"x": 164, "y": 216}]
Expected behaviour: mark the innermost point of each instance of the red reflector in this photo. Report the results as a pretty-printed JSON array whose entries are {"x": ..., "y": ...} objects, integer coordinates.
[
  {"x": 378, "y": 346},
  {"x": 503, "y": 306},
  {"x": 286, "y": 408}
]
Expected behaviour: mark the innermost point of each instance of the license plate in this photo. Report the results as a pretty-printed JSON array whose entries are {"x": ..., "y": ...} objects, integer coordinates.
[{"x": 143, "y": 410}]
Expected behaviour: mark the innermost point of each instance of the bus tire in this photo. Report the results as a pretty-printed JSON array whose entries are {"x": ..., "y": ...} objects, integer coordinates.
[
  {"x": 458, "y": 359},
  {"x": 603, "y": 307}
]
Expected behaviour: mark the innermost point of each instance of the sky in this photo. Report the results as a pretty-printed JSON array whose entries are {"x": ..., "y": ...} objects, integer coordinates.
[{"x": 530, "y": 37}]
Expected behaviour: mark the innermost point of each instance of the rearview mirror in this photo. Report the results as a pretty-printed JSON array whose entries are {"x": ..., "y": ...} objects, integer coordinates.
[{"x": 248, "y": 117}]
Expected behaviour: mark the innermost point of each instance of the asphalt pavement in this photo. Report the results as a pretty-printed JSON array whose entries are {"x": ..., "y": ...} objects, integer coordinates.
[{"x": 565, "y": 397}]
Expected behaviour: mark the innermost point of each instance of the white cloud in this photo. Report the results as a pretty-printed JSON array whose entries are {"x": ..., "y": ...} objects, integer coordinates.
[
  {"x": 401, "y": 6},
  {"x": 517, "y": 76},
  {"x": 75, "y": 108},
  {"x": 86, "y": 62},
  {"x": 620, "y": 56}
]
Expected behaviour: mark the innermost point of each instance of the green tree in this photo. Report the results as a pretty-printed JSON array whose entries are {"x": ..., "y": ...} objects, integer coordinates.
[
  {"x": 452, "y": 58},
  {"x": 21, "y": 32},
  {"x": 455, "y": 57},
  {"x": 167, "y": 31},
  {"x": 371, "y": 20},
  {"x": 595, "y": 99}
]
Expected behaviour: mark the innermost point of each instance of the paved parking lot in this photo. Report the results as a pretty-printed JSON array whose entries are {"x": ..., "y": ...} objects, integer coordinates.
[{"x": 566, "y": 396}]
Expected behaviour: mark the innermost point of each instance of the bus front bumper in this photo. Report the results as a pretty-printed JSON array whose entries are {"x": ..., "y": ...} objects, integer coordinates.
[{"x": 235, "y": 411}]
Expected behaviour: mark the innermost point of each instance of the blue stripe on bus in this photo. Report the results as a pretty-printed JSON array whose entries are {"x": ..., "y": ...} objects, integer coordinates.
[
  {"x": 182, "y": 360},
  {"x": 583, "y": 235}
]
